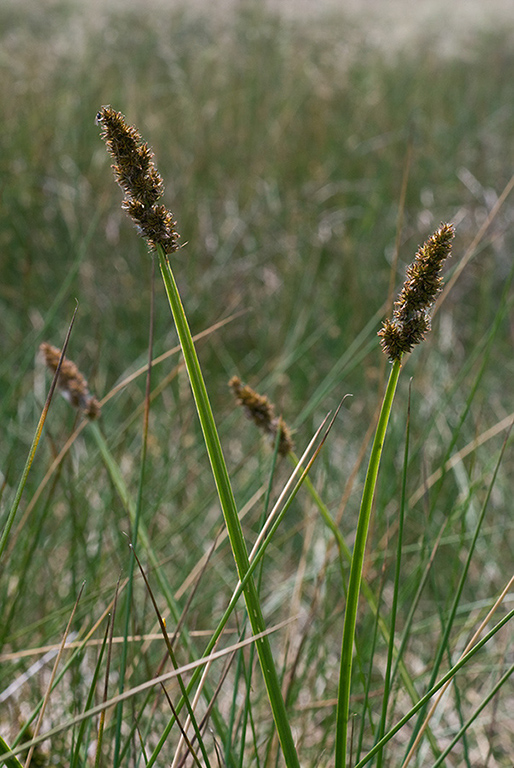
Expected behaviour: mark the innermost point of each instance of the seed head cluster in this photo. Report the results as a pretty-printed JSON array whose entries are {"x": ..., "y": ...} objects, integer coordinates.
[
  {"x": 71, "y": 382},
  {"x": 260, "y": 410},
  {"x": 135, "y": 172},
  {"x": 411, "y": 320}
]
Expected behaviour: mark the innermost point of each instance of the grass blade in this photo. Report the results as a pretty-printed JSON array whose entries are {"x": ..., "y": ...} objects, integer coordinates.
[
  {"x": 35, "y": 442},
  {"x": 228, "y": 506}
]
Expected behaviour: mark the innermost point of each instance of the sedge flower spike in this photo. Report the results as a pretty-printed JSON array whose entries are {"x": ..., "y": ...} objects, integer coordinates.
[
  {"x": 71, "y": 382},
  {"x": 411, "y": 320},
  {"x": 135, "y": 172},
  {"x": 260, "y": 410}
]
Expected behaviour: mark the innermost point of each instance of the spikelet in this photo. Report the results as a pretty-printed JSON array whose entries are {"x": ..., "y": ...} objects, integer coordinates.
[
  {"x": 260, "y": 410},
  {"x": 71, "y": 382},
  {"x": 411, "y": 319},
  {"x": 135, "y": 172}
]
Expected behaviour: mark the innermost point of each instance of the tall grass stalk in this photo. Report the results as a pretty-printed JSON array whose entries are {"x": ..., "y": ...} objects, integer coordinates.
[
  {"x": 357, "y": 564},
  {"x": 229, "y": 509},
  {"x": 406, "y": 328},
  {"x": 388, "y": 677},
  {"x": 142, "y": 184}
]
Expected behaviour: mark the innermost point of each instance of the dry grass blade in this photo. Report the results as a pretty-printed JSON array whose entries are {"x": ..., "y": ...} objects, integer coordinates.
[
  {"x": 170, "y": 352},
  {"x": 110, "y": 630},
  {"x": 466, "y": 650},
  {"x": 39, "y": 429},
  {"x": 52, "y": 676},
  {"x": 470, "y": 252},
  {"x": 184, "y": 737},
  {"x": 298, "y": 472},
  {"x": 144, "y": 687},
  {"x": 502, "y": 425}
]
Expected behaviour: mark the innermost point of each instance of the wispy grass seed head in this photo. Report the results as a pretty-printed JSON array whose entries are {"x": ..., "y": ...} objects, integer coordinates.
[
  {"x": 135, "y": 172},
  {"x": 411, "y": 319},
  {"x": 71, "y": 382},
  {"x": 261, "y": 411}
]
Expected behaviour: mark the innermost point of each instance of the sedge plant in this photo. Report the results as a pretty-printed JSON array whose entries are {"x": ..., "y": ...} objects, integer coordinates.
[
  {"x": 142, "y": 184},
  {"x": 406, "y": 328},
  {"x": 136, "y": 173}
]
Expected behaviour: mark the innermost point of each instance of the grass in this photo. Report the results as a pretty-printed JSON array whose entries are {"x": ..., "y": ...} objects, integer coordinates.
[{"x": 283, "y": 147}]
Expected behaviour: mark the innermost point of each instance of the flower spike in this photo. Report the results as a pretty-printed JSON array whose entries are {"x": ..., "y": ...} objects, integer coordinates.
[
  {"x": 71, "y": 382},
  {"x": 260, "y": 410},
  {"x": 135, "y": 172},
  {"x": 411, "y": 320}
]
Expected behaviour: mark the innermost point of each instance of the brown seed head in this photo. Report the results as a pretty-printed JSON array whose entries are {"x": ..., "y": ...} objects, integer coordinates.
[
  {"x": 135, "y": 172},
  {"x": 71, "y": 382},
  {"x": 260, "y": 410},
  {"x": 411, "y": 320}
]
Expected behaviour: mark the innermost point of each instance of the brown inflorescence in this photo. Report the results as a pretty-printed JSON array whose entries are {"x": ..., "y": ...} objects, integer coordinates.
[
  {"x": 411, "y": 319},
  {"x": 71, "y": 382},
  {"x": 135, "y": 172},
  {"x": 260, "y": 410}
]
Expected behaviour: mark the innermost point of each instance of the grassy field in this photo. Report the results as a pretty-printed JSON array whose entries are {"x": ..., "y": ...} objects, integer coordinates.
[{"x": 304, "y": 167}]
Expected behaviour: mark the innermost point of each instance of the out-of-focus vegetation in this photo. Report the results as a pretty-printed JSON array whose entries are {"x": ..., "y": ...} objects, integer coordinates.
[{"x": 284, "y": 145}]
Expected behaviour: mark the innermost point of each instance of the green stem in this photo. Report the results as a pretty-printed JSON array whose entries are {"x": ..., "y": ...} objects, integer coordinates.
[
  {"x": 10, "y": 762},
  {"x": 366, "y": 590},
  {"x": 354, "y": 584},
  {"x": 229, "y": 509},
  {"x": 397, "y": 576}
]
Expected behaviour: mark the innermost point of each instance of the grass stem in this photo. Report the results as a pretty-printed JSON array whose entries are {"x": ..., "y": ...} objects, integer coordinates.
[
  {"x": 354, "y": 583},
  {"x": 228, "y": 505}
]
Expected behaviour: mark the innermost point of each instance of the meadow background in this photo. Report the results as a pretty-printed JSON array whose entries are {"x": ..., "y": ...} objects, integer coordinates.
[{"x": 301, "y": 153}]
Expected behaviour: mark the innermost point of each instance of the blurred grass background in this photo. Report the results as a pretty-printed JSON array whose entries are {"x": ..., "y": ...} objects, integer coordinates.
[{"x": 283, "y": 143}]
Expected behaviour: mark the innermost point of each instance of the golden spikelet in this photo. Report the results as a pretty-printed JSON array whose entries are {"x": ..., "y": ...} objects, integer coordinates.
[
  {"x": 411, "y": 320},
  {"x": 135, "y": 172},
  {"x": 71, "y": 382},
  {"x": 260, "y": 410}
]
